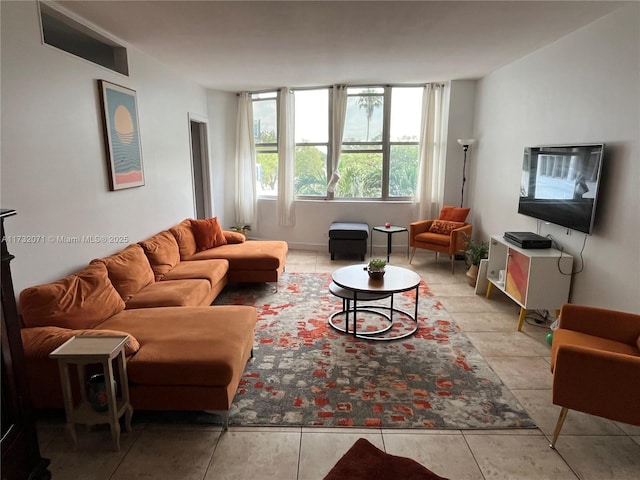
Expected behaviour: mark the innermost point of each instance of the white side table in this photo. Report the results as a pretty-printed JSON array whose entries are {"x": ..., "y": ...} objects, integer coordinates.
[{"x": 81, "y": 351}]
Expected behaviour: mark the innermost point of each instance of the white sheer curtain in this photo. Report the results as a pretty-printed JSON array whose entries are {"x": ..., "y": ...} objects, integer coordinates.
[
  {"x": 286, "y": 158},
  {"x": 245, "y": 162},
  {"x": 339, "y": 109},
  {"x": 430, "y": 189}
]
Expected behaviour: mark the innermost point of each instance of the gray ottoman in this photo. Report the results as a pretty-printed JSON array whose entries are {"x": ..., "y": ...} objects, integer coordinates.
[{"x": 348, "y": 238}]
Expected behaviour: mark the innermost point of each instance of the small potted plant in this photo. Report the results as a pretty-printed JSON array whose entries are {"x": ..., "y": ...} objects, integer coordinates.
[
  {"x": 375, "y": 269},
  {"x": 243, "y": 229},
  {"x": 474, "y": 253}
]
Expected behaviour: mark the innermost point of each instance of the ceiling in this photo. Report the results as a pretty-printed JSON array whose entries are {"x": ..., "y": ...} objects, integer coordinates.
[{"x": 257, "y": 45}]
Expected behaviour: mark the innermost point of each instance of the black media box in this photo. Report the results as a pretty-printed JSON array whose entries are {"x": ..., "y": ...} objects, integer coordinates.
[{"x": 527, "y": 240}]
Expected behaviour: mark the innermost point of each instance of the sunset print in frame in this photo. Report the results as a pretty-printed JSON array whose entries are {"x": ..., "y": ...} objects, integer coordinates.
[{"x": 121, "y": 135}]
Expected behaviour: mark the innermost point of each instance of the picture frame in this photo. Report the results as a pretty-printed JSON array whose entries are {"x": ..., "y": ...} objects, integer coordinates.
[{"x": 121, "y": 135}]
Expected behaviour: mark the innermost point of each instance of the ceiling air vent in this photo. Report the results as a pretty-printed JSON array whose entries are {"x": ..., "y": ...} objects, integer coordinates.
[{"x": 72, "y": 37}]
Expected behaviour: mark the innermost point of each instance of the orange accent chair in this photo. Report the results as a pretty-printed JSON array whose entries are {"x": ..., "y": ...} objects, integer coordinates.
[
  {"x": 595, "y": 360},
  {"x": 449, "y": 233}
]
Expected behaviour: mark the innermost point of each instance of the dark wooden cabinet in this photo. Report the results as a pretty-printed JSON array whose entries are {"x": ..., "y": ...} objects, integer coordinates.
[{"x": 21, "y": 458}]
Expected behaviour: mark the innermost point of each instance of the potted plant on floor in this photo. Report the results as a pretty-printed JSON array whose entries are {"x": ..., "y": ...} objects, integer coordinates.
[
  {"x": 474, "y": 253},
  {"x": 375, "y": 269},
  {"x": 240, "y": 228}
]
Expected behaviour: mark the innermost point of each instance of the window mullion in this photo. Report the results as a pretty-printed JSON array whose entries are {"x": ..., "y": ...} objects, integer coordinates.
[
  {"x": 386, "y": 149},
  {"x": 330, "y": 195}
]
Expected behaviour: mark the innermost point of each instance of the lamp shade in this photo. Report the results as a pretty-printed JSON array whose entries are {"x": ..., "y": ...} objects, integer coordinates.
[{"x": 465, "y": 142}]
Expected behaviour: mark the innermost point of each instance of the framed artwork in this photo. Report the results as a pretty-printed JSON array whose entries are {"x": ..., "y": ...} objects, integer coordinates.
[{"x": 121, "y": 135}]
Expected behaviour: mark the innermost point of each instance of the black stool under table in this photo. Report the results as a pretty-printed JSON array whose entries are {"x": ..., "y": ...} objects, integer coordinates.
[{"x": 348, "y": 238}]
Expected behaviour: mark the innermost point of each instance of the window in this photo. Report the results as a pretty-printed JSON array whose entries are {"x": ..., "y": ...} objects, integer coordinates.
[
  {"x": 265, "y": 133},
  {"x": 362, "y": 144},
  {"x": 312, "y": 142},
  {"x": 404, "y": 150},
  {"x": 380, "y": 143}
]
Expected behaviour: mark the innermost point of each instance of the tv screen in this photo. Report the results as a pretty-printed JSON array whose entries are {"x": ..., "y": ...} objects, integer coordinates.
[{"x": 560, "y": 184}]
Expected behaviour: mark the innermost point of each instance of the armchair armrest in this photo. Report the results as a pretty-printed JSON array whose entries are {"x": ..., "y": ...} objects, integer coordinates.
[
  {"x": 416, "y": 228},
  {"x": 459, "y": 239},
  {"x": 611, "y": 324},
  {"x": 598, "y": 382}
]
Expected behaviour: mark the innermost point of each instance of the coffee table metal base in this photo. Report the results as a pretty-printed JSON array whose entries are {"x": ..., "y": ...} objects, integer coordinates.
[
  {"x": 366, "y": 333},
  {"x": 349, "y": 296},
  {"x": 371, "y": 334}
]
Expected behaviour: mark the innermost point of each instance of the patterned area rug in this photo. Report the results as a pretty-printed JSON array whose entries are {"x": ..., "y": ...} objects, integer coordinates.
[{"x": 305, "y": 373}]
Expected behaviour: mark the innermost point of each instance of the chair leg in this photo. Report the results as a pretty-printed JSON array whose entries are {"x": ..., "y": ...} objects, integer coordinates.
[
  {"x": 556, "y": 432},
  {"x": 413, "y": 252},
  {"x": 452, "y": 257}
]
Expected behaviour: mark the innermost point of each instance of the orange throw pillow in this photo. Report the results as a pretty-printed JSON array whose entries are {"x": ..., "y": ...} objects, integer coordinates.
[
  {"x": 454, "y": 214},
  {"x": 444, "y": 227},
  {"x": 208, "y": 233}
]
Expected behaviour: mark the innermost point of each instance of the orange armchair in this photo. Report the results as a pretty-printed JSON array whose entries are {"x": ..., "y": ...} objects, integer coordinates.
[
  {"x": 448, "y": 234},
  {"x": 595, "y": 360}
]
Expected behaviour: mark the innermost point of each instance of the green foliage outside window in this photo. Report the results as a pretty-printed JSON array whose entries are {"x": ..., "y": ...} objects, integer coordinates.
[{"x": 361, "y": 171}]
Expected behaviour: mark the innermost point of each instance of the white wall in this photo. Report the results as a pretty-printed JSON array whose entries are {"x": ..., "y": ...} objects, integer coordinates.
[
  {"x": 223, "y": 108},
  {"x": 313, "y": 219},
  {"x": 584, "y": 88},
  {"x": 460, "y": 125},
  {"x": 54, "y": 170}
]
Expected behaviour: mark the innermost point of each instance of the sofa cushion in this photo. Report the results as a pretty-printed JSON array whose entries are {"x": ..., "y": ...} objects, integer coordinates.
[
  {"x": 162, "y": 252},
  {"x": 208, "y": 233},
  {"x": 250, "y": 255},
  {"x": 207, "y": 349},
  {"x": 129, "y": 270},
  {"x": 173, "y": 293},
  {"x": 454, "y": 214},
  {"x": 184, "y": 237},
  {"x": 444, "y": 227},
  {"x": 39, "y": 342},
  {"x": 233, "y": 237},
  {"x": 80, "y": 300},
  {"x": 212, "y": 270}
]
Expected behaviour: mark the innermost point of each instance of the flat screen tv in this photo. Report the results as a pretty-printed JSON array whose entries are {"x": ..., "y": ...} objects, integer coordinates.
[{"x": 560, "y": 184}]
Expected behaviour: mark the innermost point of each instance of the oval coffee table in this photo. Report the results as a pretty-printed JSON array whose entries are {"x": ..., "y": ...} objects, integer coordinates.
[{"x": 355, "y": 279}]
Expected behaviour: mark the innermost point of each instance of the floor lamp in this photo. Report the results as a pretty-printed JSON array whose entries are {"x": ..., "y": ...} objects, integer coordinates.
[{"x": 466, "y": 143}]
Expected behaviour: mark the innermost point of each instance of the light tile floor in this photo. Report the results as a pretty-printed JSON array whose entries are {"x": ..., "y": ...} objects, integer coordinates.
[{"x": 589, "y": 447}]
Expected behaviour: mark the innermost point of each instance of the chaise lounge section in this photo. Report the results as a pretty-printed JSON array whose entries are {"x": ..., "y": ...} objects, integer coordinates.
[{"x": 182, "y": 353}]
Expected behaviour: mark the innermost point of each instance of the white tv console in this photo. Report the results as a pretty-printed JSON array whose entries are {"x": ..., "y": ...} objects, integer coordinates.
[{"x": 536, "y": 279}]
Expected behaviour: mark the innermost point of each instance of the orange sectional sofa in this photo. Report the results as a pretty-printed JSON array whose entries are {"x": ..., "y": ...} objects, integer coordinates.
[{"x": 183, "y": 353}]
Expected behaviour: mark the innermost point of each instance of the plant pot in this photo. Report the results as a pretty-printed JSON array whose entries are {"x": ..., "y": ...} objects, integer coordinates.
[
  {"x": 472, "y": 275},
  {"x": 375, "y": 274},
  {"x": 98, "y": 392}
]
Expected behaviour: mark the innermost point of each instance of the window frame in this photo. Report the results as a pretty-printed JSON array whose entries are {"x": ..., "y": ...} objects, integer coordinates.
[
  {"x": 320, "y": 144},
  {"x": 385, "y": 144},
  {"x": 270, "y": 147}
]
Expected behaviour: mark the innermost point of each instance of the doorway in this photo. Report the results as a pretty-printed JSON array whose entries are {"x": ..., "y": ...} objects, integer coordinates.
[{"x": 200, "y": 167}]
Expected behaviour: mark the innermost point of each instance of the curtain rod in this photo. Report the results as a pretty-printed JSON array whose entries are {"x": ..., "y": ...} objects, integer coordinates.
[{"x": 392, "y": 85}]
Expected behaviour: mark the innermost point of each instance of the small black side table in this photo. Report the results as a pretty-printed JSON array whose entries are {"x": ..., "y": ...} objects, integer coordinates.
[{"x": 389, "y": 231}]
